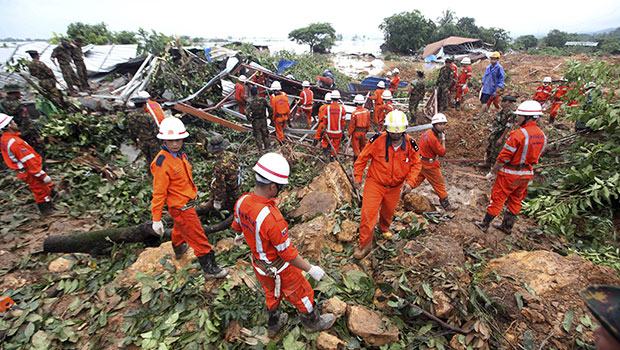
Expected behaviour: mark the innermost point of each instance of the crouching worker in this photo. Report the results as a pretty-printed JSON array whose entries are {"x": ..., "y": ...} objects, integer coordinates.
[
  {"x": 277, "y": 264},
  {"x": 174, "y": 186},
  {"x": 21, "y": 157}
]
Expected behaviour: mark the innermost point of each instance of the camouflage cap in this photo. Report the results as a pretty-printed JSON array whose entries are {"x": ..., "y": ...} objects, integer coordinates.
[
  {"x": 604, "y": 303},
  {"x": 217, "y": 143},
  {"x": 9, "y": 88}
]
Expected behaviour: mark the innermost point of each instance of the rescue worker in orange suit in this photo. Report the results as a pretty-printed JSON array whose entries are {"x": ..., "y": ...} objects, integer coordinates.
[
  {"x": 331, "y": 126},
  {"x": 378, "y": 116},
  {"x": 358, "y": 126},
  {"x": 543, "y": 92},
  {"x": 277, "y": 263},
  {"x": 455, "y": 76},
  {"x": 461, "y": 83},
  {"x": 306, "y": 96},
  {"x": 174, "y": 186},
  {"x": 387, "y": 103},
  {"x": 522, "y": 150},
  {"x": 432, "y": 146},
  {"x": 281, "y": 110},
  {"x": 558, "y": 99},
  {"x": 394, "y": 81},
  {"x": 240, "y": 93},
  {"x": 394, "y": 160},
  {"x": 21, "y": 157}
]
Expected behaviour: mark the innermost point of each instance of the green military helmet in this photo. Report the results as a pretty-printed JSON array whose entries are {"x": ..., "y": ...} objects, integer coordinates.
[
  {"x": 217, "y": 143},
  {"x": 9, "y": 88},
  {"x": 604, "y": 303}
]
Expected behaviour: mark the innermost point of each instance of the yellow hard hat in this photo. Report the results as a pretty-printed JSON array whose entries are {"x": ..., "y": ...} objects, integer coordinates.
[{"x": 495, "y": 55}]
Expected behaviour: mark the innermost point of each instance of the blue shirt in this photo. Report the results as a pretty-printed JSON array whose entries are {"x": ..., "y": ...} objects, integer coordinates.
[{"x": 492, "y": 79}]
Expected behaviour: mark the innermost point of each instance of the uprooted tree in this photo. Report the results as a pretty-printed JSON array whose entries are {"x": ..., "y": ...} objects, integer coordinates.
[{"x": 320, "y": 36}]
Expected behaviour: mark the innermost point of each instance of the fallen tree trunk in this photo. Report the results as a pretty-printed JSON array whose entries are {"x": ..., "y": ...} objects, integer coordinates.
[{"x": 99, "y": 242}]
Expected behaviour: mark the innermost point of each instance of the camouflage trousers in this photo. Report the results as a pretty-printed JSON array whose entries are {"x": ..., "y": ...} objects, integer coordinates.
[{"x": 261, "y": 134}]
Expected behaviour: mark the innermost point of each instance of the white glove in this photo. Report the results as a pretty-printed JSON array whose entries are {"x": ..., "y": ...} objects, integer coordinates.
[
  {"x": 217, "y": 205},
  {"x": 158, "y": 227},
  {"x": 239, "y": 239},
  {"x": 490, "y": 176},
  {"x": 316, "y": 272},
  {"x": 47, "y": 179}
]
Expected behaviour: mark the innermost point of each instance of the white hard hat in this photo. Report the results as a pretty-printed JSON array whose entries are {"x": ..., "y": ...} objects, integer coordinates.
[
  {"x": 276, "y": 85},
  {"x": 466, "y": 60},
  {"x": 243, "y": 78},
  {"x": 305, "y": 83},
  {"x": 335, "y": 95},
  {"x": 273, "y": 167},
  {"x": 358, "y": 99},
  {"x": 386, "y": 95},
  {"x": 396, "y": 71},
  {"x": 547, "y": 80},
  {"x": 389, "y": 74},
  {"x": 144, "y": 94},
  {"x": 439, "y": 118},
  {"x": 530, "y": 108},
  {"x": 328, "y": 97},
  {"x": 396, "y": 122},
  {"x": 172, "y": 128},
  {"x": 5, "y": 120}
]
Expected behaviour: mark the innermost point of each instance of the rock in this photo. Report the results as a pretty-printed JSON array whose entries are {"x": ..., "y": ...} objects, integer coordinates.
[
  {"x": 326, "y": 341},
  {"x": 417, "y": 203},
  {"x": 61, "y": 264},
  {"x": 335, "y": 306},
  {"x": 443, "y": 308},
  {"x": 374, "y": 328},
  {"x": 225, "y": 245},
  {"x": 348, "y": 232},
  {"x": 310, "y": 237}
]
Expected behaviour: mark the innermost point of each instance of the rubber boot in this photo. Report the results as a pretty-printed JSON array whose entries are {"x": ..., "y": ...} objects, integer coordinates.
[
  {"x": 445, "y": 203},
  {"x": 277, "y": 320},
  {"x": 507, "y": 223},
  {"x": 313, "y": 322},
  {"x": 45, "y": 208},
  {"x": 180, "y": 250},
  {"x": 360, "y": 252},
  {"x": 210, "y": 268},
  {"x": 484, "y": 224}
]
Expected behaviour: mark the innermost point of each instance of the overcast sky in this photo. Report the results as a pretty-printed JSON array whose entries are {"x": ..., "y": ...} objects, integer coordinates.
[{"x": 240, "y": 18}]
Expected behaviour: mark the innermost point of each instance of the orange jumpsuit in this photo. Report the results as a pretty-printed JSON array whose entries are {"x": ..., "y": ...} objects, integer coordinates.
[
  {"x": 174, "y": 186},
  {"x": 266, "y": 232},
  {"x": 378, "y": 100},
  {"x": 523, "y": 148},
  {"x": 306, "y": 103},
  {"x": 558, "y": 99},
  {"x": 240, "y": 97},
  {"x": 543, "y": 94},
  {"x": 281, "y": 113},
  {"x": 331, "y": 124},
  {"x": 461, "y": 84},
  {"x": 155, "y": 110},
  {"x": 389, "y": 168},
  {"x": 394, "y": 84},
  {"x": 358, "y": 127},
  {"x": 21, "y": 157},
  {"x": 430, "y": 148}
]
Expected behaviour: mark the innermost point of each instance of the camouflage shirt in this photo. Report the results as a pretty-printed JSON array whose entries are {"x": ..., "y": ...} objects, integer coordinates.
[
  {"x": 142, "y": 127},
  {"x": 63, "y": 55},
  {"x": 257, "y": 107},
  {"x": 76, "y": 53},
  {"x": 39, "y": 70},
  {"x": 417, "y": 88},
  {"x": 226, "y": 176},
  {"x": 444, "y": 79}
]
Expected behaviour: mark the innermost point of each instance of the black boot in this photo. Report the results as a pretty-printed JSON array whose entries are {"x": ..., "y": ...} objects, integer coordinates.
[
  {"x": 484, "y": 224},
  {"x": 313, "y": 322},
  {"x": 277, "y": 320},
  {"x": 45, "y": 208},
  {"x": 445, "y": 203},
  {"x": 209, "y": 266},
  {"x": 179, "y": 250},
  {"x": 507, "y": 223}
]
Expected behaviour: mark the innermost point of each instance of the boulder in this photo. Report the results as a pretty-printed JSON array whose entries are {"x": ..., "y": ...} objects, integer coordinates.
[
  {"x": 326, "y": 341},
  {"x": 374, "y": 328},
  {"x": 335, "y": 306},
  {"x": 417, "y": 203},
  {"x": 61, "y": 264}
]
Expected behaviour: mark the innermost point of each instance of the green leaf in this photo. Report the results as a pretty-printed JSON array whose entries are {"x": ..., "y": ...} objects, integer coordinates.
[{"x": 568, "y": 320}]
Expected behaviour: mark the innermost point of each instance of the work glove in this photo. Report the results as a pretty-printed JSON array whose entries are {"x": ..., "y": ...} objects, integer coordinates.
[
  {"x": 239, "y": 239},
  {"x": 158, "y": 227},
  {"x": 316, "y": 272},
  {"x": 47, "y": 179},
  {"x": 490, "y": 176},
  {"x": 217, "y": 205},
  {"x": 314, "y": 142}
]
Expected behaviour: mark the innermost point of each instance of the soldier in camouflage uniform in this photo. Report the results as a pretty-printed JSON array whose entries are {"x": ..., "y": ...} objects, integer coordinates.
[
  {"x": 500, "y": 128},
  {"x": 62, "y": 53},
  {"x": 47, "y": 80},
  {"x": 226, "y": 177},
  {"x": 78, "y": 59},
  {"x": 416, "y": 94},
  {"x": 257, "y": 109},
  {"x": 444, "y": 79},
  {"x": 12, "y": 105},
  {"x": 143, "y": 130}
]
